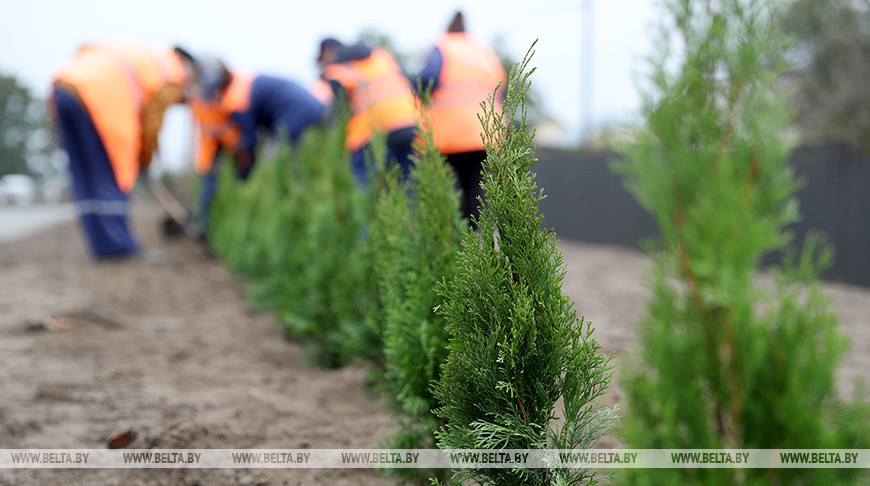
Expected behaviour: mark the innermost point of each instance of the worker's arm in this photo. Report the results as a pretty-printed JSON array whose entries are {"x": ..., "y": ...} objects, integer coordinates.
[
  {"x": 247, "y": 122},
  {"x": 209, "y": 148},
  {"x": 152, "y": 119},
  {"x": 428, "y": 77},
  {"x": 342, "y": 79},
  {"x": 322, "y": 91}
]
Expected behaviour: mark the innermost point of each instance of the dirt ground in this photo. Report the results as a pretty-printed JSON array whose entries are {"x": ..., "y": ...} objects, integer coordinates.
[{"x": 173, "y": 353}]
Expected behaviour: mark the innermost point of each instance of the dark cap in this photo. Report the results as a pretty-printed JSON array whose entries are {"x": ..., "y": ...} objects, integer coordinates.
[
  {"x": 327, "y": 43},
  {"x": 214, "y": 77}
]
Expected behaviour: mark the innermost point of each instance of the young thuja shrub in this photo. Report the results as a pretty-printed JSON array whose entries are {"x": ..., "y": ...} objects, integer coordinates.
[
  {"x": 279, "y": 197},
  {"x": 523, "y": 370},
  {"x": 726, "y": 361},
  {"x": 419, "y": 228},
  {"x": 355, "y": 291},
  {"x": 251, "y": 228},
  {"x": 295, "y": 231},
  {"x": 266, "y": 192},
  {"x": 317, "y": 238},
  {"x": 224, "y": 236},
  {"x": 236, "y": 217}
]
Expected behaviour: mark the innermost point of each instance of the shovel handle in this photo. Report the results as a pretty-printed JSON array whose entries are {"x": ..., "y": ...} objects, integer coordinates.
[{"x": 169, "y": 202}]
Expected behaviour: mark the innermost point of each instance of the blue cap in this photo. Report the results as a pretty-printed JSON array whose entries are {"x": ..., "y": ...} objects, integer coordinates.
[
  {"x": 213, "y": 78},
  {"x": 328, "y": 43}
]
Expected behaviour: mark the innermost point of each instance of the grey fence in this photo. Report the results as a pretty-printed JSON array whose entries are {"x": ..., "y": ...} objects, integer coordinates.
[{"x": 587, "y": 202}]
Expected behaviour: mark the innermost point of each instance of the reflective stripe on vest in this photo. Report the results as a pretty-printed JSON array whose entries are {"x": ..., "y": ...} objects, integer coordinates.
[
  {"x": 470, "y": 73},
  {"x": 378, "y": 89},
  {"x": 462, "y": 93}
]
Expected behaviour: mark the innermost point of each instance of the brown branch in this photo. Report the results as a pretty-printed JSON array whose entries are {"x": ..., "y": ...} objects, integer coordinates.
[
  {"x": 735, "y": 401},
  {"x": 713, "y": 316},
  {"x": 751, "y": 178},
  {"x": 522, "y": 408}
]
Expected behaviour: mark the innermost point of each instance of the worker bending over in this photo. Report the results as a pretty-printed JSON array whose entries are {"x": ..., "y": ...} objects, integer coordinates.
[
  {"x": 380, "y": 98},
  {"x": 236, "y": 109},
  {"x": 109, "y": 99}
]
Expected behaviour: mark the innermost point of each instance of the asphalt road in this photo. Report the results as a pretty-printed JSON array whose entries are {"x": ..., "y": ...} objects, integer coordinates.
[{"x": 20, "y": 221}]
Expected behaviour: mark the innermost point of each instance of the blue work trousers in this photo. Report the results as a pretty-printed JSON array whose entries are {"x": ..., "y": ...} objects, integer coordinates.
[
  {"x": 399, "y": 149},
  {"x": 102, "y": 205}
]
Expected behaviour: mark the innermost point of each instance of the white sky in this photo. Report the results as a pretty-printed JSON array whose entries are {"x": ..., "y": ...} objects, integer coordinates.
[{"x": 281, "y": 37}]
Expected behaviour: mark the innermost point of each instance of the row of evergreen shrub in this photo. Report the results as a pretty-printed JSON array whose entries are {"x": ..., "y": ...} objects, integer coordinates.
[
  {"x": 472, "y": 339},
  {"x": 354, "y": 274},
  {"x": 296, "y": 232}
]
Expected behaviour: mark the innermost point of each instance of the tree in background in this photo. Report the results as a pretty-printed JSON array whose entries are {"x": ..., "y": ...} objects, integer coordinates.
[
  {"x": 23, "y": 128},
  {"x": 523, "y": 371},
  {"x": 376, "y": 38},
  {"x": 726, "y": 361},
  {"x": 831, "y": 51}
]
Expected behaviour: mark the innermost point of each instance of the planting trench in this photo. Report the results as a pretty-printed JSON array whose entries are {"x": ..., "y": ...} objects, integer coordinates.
[{"x": 172, "y": 354}]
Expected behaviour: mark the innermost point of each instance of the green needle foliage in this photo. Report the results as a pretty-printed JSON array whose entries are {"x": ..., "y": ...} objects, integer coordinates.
[
  {"x": 516, "y": 345},
  {"x": 419, "y": 238},
  {"x": 295, "y": 231},
  {"x": 240, "y": 213},
  {"x": 726, "y": 360}
]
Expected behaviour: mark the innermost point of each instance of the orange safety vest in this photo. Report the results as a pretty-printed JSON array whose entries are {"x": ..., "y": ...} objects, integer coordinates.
[
  {"x": 115, "y": 80},
  {"x": 379, "y": 94},
  {"x": 470, "y": 72},
  {"x": 216, "y": 129}
]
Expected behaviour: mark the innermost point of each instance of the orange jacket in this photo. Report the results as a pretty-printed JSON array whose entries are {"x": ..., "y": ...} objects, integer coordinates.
[
  {"x": 215, "y": 127},
  {"x": 126, "y": 87},
  {"x": 379, "y": 94},
  {"x": 470, "y": 73}
]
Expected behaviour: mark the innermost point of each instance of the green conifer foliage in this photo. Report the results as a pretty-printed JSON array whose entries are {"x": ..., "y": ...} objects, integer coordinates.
[
  {"x": 726, "y": 361},
  {"x": 516, "y": 345},
  {"x": 354, "y": 293},
  {"x": 295, "y": 231},
  {"x": 419, "y": 239},
  {"x": 240, "y": 215}
]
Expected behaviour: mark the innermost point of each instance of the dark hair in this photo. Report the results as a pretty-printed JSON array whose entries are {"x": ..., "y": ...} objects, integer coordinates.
[
  {"x": 184, "y": 55},
  {"x": 457, "y": 24}
]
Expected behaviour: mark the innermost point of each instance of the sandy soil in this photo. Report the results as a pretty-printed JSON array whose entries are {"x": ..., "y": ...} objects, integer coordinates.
[
  {"x": 169, "y": 351},
  {"x": 173, "y": 353}
]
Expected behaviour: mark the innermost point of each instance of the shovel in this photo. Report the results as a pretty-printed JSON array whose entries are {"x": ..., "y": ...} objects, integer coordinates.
[{"x": 179, "y": 219}]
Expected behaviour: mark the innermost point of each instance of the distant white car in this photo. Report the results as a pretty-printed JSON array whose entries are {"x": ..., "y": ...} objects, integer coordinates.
[{"x": 17, "y": 189}]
